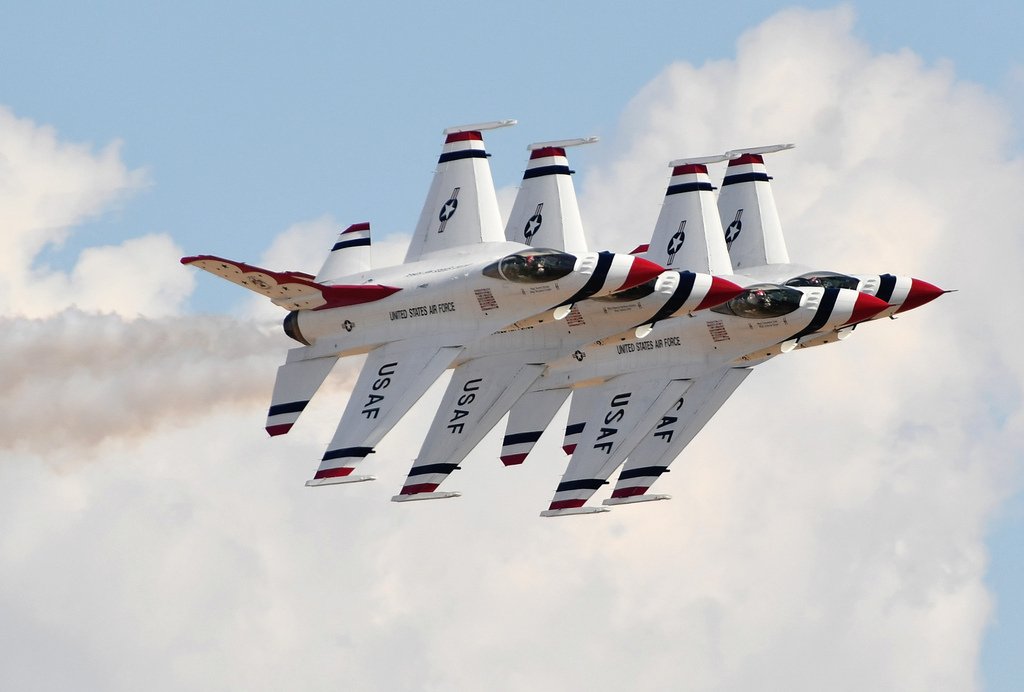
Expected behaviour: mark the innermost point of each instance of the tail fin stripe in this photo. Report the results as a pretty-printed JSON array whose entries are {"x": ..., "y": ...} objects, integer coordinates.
[
  {"x": 541, "y": 171},
  {"x": 462, "y": 154},
  {"x": 746, "y": 178},
  {"x": 355, "y": 242},
  {"x": 689, "y": 187}
]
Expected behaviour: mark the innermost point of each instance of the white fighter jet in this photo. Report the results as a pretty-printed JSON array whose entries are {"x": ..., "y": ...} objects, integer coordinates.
[
  {"x": 491, "y": 374},
  {"x": 625, "y": 388},
  {"x": 757, "y": 248},
  {"x": 460, "y": 282}
]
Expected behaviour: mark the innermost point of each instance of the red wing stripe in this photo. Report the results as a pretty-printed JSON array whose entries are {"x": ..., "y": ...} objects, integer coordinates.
[
  {"x": 567, "y": 504},
  {"x": 419, "y": 488},
  {"x": 334, "y": 473}
]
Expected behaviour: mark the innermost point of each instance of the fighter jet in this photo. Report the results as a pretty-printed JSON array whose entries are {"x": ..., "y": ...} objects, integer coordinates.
[
  {"x": 624, "y": 387},
  {"x": 492, "y": 373},
  {"x": 460, "y": 282},
  {"x": 756, "y": 244}
]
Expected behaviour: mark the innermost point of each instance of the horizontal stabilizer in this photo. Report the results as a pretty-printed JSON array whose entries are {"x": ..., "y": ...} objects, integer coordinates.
[
  {"x": 527, "y": 421},
  {"x": 295, "y": 385},
  {"x": 290, "y": 290}
]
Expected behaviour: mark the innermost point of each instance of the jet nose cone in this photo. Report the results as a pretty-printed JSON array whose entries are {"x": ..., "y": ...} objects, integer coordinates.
[
  {"x": 921, "y": 292},
  {"x": 720, "y": 291},
  {"x": 866, "y": 307},
  {"x": 641, "y": 271}
]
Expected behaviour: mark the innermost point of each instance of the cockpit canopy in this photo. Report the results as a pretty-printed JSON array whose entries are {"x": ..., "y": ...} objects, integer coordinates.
[
  {"x": 532, "y": 266},
  {"x": 762, "y": 301},
  {"x": 824, "y": 280}
]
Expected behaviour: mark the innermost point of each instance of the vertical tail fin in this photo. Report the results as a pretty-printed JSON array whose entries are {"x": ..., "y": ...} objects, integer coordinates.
[
  {"x": 688, "y": 233},
  {"x": 461, "y": 207},
  {"x": 349, "y": 255},
  {"x": 746, "y": 205},
  {"x": 546, "y": 213}
]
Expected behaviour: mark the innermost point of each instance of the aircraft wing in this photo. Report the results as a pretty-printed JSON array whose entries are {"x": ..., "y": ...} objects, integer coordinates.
[
  {"x": 393, "y": 378},
  {"x": 481, "y": 391},
  {"x": 616, "y": 415},
  {"x": 461, "y": 206},
  {"x": 527, "y": 420},
  {"x": 290, "y": 290},
  {"x": 677, "y": 427}
]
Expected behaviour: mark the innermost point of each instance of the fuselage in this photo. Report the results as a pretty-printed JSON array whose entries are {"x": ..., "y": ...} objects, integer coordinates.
[
  {"x": 690, "y": 346},
  {"x": 459, "y": 294},
  {"x": 542, "y": 338}
]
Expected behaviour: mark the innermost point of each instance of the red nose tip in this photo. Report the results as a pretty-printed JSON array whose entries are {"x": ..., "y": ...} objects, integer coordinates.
[
  {"x": 866, "y": 307},
  {"x": 640, "y": 272},
  {"x": 921, "y": 292},
  {"x": 720, "y": 291}
]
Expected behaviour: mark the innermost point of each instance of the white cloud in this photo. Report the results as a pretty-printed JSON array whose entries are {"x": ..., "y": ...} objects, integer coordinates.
[
  {"x": 47, "y": 186},
  {"x": 82, "y": 380},
  {"x": 827, "y": 528}
]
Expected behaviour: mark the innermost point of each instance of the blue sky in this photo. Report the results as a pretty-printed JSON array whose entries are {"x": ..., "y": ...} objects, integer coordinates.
[{"x": 246, "y": 122}]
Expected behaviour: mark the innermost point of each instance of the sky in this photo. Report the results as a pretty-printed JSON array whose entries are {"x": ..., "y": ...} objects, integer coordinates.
[{"x": 852, "y": 519}]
